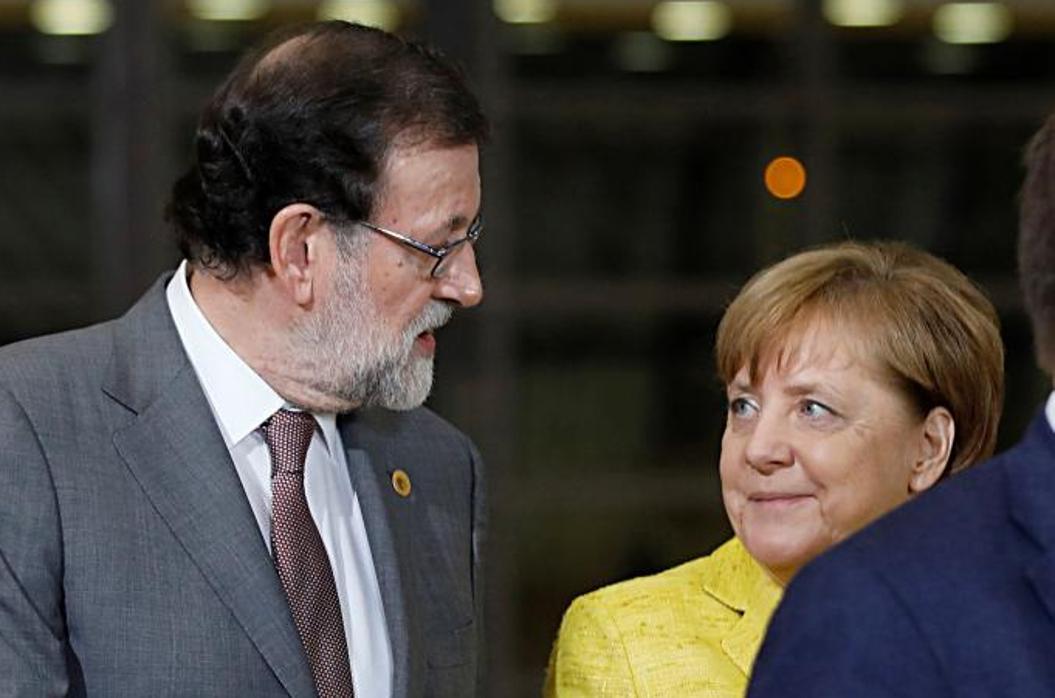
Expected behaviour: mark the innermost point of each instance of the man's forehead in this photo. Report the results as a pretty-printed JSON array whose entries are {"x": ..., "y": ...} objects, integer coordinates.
[
  {"x": 444, "y": 179},
  {"x": 428, "y": 161},
  {"x": 412, "y": 144}
]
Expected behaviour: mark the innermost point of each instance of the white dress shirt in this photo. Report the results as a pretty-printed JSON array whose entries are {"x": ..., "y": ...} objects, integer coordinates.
[{"x": 241, "y": 401}]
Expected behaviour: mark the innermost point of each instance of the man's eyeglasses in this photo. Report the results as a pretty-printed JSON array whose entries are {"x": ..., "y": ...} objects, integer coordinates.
[{"x": 443, "y": 254}]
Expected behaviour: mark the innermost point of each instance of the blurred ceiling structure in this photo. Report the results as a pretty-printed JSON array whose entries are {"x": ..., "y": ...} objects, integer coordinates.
[{"x": 685, "y": 19}]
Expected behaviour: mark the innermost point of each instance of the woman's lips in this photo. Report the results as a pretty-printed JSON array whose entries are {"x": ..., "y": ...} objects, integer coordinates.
[{"x": 778, "y": 498}]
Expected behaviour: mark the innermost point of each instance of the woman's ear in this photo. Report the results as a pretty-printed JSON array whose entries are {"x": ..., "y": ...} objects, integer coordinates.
[
  {"x": 293, "y": 240},
  {"x": 936, "y": 439}
]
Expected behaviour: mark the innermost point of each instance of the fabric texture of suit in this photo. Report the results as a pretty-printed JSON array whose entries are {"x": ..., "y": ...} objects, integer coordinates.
[
  {"x": 130, "y": 561},
  {"x": 951, "y": 595},
  {"x": 689, "y": 631}
]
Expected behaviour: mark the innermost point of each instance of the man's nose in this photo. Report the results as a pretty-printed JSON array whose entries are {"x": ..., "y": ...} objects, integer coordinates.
[
  {"x": 461, "y": 281},
  {"x": 768, "y": 447}
]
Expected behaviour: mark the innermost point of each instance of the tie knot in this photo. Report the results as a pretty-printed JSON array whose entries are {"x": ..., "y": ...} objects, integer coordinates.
[{"x": 288, "y": 435}]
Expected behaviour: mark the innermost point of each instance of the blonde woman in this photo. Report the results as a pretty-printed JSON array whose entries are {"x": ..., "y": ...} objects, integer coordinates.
[{"x": 858, "y": 376}]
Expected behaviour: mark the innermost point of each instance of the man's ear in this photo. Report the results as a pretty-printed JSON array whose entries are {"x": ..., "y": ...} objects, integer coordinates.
[
  {"x": 294, "y": 243},
  {"x": 936, "y": 439}
]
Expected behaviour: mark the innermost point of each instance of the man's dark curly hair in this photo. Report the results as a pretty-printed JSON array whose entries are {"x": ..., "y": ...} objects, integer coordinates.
[
  {"x": 309, "y": 116},
  {"x": 1036, "y": 242}
]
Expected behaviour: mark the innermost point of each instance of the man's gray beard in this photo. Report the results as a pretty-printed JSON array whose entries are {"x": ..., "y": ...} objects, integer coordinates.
[{"x": 352, "y": 358}]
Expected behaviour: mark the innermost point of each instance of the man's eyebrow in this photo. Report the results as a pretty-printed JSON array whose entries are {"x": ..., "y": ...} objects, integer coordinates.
[{"x": 455, "y": 222}]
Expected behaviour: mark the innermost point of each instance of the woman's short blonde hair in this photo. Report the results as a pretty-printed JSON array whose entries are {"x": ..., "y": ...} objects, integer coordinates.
[{"x": 926, "y": 325}]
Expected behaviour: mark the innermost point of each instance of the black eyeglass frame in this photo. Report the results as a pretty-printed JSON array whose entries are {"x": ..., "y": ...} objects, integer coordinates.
[{"x": 441, "y": 254}]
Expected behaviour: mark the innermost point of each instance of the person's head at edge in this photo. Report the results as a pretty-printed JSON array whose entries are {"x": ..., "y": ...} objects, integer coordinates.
[
  {"x": 324, "y": 133},
  {"x": 858, "y": 375},
  {"x": 1036, "y": 242}
]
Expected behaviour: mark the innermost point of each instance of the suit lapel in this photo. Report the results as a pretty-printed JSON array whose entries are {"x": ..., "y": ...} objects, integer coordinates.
[
  {"x": 1031, "y": 490},
  {"x": 745, "y": 637},
  {"x": 388, "y": 526},
  {"x": 175, "y": 452}
]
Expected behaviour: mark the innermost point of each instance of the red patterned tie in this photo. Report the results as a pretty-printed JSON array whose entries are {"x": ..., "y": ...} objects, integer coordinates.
[{"x": 300, "y": 556}]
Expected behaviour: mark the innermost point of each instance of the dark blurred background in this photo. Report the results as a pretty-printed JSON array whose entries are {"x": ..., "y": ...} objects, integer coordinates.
[{"x": 625, "y": 201}]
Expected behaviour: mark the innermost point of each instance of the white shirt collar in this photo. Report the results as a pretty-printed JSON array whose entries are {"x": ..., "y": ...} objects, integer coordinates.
[{"x": 240, "y": 399}]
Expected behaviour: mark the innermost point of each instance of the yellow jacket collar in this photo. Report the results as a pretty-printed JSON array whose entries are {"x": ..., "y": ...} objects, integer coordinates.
[{"x": 744, "y": 586}]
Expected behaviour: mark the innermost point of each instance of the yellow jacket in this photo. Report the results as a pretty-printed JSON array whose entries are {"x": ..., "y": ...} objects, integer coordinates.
[{"x": 692, "y": 630}]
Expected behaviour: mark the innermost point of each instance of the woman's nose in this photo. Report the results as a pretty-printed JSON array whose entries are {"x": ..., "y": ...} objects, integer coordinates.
[{"x": 768, "y": 447}]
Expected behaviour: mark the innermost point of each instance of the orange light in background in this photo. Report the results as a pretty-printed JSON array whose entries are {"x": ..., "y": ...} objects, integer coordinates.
[{"x": 785, "y": 177}]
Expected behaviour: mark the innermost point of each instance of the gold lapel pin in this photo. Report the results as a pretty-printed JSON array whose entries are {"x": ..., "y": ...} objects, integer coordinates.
[{"x": 401, "y": 482}]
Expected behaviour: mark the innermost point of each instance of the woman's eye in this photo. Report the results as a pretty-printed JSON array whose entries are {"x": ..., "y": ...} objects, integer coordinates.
[
  {"x": 812, "y": 408},
  {"x": 740, "y": 406}
]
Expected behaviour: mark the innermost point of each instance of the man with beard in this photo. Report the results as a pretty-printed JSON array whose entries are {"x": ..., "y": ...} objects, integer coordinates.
[{"x": 233, "y": 489}]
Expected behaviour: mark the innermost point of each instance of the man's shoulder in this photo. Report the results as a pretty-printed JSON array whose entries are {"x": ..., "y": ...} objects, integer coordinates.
[
  {"x": 420, "y": 421},
  {"x": 975, "y": 499},
  {"x": 88, "y": 351},
  {"x": 915, "y": 578},
  {"x": 947, "y": 575},
  {"x": 937, "y": 548},
  {"x": 33, "y": 363},
  {"x": 426, "y": 419},
  {"x": 413, "y": 434},
  {"x": 971, "y": 506}
]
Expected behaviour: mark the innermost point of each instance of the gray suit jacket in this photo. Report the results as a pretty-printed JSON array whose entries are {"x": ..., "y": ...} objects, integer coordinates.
[{"x": 130, "y": 561}]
